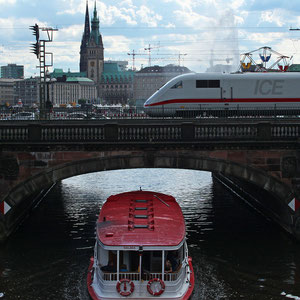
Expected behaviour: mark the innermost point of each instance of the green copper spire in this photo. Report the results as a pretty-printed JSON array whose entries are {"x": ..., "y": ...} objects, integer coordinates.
[
  {"x": 95, "y": 34},
  {"x": 95, "y": 12}
]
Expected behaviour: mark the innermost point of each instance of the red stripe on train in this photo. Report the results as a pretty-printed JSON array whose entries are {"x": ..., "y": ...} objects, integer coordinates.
[{"x": 241, "y": 100}]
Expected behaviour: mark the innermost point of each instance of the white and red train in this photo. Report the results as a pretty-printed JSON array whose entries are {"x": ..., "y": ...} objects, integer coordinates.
[{"x": 212, "y": 93}]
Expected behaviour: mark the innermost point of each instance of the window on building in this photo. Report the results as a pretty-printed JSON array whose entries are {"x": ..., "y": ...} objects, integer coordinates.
[{"x": 207, "y": 83}]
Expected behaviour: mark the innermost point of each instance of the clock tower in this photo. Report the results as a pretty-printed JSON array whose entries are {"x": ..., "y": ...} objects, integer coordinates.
[{"x": 92, "y": 51}]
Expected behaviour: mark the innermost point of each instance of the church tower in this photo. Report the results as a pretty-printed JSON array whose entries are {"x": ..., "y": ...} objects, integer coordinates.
[
  {"x": 95, "y": 51},
  {"x": 84, "y": 41},
  {"x": 91, "y": 49}
]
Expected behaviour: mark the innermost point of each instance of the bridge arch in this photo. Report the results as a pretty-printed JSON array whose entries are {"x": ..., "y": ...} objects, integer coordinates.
[
  {"x": 131, "y": 160},
  {"x": 50, "y": 176}
]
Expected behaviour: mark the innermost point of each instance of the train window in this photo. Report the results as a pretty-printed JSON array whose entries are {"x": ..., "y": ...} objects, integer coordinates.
[
  {"x": 214, "y": 83},
  {"x": 178, "y": 85},
  {"x": 201, "y": 83},
  {"x": 207, "y": 83}
]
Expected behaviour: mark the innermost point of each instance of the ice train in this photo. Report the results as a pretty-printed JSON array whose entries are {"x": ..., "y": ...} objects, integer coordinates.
[{"x": 237, "y": 93}]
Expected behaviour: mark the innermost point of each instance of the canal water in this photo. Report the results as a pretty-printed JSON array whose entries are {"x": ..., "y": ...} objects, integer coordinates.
[{"x": 237, "y": 254}]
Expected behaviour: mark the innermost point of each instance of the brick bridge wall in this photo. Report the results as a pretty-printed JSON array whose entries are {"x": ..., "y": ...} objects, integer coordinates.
[
  {"x": 24, "y": 173},
  {"x": 35, "y": 155}
]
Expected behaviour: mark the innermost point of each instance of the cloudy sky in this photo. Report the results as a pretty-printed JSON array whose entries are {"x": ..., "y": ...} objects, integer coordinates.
[{"x": 189, "y": 32}]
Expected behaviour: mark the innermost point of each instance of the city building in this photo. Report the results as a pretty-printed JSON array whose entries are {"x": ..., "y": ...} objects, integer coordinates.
[
  {"x": 150, "y": 79},
  {"x": 70, "y": 87},
  {"x": 116, "y": 85},
  {"x": 12, "y": 71},
  {"x": 27, "y": 91},
  {"x": 69, "y": 90},
  {"x": 7, "y": 91}
]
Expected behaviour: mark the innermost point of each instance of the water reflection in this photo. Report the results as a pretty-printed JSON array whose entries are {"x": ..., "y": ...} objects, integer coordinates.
[{"x": 237, "y": 254}]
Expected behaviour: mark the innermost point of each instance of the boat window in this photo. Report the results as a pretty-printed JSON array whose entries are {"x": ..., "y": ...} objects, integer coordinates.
[
  {"x": 175, "y": 258},
  {"x": 107, "y": 259},
  {"x": 128, "y": 261},
  {"x": 153, "y": 260},
  {"x": 207, "y": 83},
  {"x": 178, "y": 85}
]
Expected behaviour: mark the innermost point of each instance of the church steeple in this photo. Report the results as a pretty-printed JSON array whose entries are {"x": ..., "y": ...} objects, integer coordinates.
[
  {"x": 87, "y": 22},
  {"x": 95, "y": 34},
  {"x": 84, "y": 41},
  {"x": 92, "y": 50}
]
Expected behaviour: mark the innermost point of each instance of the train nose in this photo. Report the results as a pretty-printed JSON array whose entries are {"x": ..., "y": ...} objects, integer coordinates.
[
  {"x": 147, "y": 102},
  {"x": 153, "y": 99},
  {"x": 148, "y": 107}
]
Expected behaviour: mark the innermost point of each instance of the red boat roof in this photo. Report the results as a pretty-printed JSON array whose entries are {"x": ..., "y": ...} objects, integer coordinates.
[{"x": 141, "y": 218}]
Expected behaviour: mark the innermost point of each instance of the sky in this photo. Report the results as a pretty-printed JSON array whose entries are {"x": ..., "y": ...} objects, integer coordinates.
[{"x": 192, "y": 33}]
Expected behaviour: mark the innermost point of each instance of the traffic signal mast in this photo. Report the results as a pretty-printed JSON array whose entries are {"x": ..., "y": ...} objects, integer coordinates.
[
  {"x": 36, "y": 46},
  {"x": 36, "y": 49},
  {"x": 39, "y": 49}
]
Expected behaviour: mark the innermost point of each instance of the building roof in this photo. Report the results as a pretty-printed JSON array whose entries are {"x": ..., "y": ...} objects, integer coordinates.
[
  {"x": 294, "y": 68},
  {"x": 60, "y": 73},
  {"x": 165, "y": 69},
  {"x": 141, "y": 218},
  {"x": 10, "y": 80},
  {"x": 113, "y": 73},
  {"x": 79, "y": 80},
  {"x": 110, "y": 67}
]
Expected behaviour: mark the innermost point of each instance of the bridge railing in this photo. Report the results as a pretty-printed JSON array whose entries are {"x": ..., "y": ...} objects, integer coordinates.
[{"x": 131, "y": 132}]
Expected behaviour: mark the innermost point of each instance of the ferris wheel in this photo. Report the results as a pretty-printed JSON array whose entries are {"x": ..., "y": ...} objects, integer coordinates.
[{"x": 269, "y": 61}]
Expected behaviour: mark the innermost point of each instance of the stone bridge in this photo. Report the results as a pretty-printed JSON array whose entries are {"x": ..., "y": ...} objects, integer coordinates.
[{"x": 36, "y": 155}]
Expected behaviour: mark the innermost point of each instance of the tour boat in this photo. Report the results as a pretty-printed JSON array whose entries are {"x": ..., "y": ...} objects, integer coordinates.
[{"x": 140, "y": 250}]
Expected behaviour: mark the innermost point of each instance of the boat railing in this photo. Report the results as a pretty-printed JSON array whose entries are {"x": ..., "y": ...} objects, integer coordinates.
[{"x": 135, "y": 276}]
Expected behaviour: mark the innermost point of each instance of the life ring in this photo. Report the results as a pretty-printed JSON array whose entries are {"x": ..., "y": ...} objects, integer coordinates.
[
  {"x": 162, "y": 287},
  {"x": 125, "y": 292}
]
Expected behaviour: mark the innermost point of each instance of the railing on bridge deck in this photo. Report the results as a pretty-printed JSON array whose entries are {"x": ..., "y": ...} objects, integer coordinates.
[{"x": 133, "y": 132}]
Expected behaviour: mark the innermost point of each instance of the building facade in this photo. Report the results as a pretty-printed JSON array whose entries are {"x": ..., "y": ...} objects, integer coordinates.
[
  {"x": 70, "y": 87},
  {"x": 148, "y": 80},
  {"x": 7, "y": 91},
  {"x": 27, "y": 91},
  {"x": 68, "y": 90},
  {"x": 116, "y": 85},
  {"x": 12, "y": 71}
]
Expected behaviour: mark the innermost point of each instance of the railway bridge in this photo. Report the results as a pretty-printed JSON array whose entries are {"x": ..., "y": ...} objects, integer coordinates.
[{"x": 261, "y": 155}]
